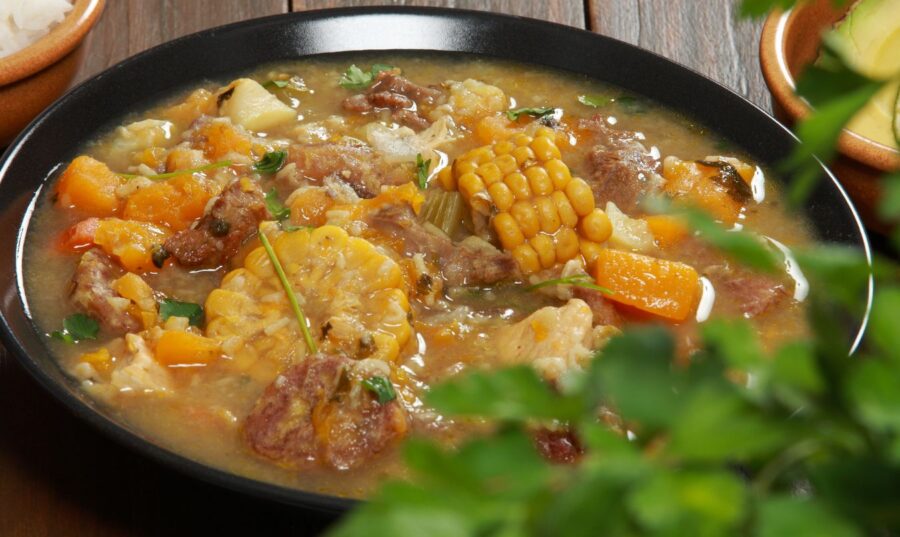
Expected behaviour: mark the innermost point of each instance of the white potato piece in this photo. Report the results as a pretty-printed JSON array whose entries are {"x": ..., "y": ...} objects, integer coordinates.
[{"x": 251, "y": 106}]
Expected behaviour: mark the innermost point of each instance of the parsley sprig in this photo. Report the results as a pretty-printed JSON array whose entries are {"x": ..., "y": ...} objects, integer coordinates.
[
  {"x": 355, "y": 78},
  {"x": 77, "y": 327}
]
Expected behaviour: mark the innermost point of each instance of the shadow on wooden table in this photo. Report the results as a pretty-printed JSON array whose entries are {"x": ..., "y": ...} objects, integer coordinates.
[{"x": 63, "y": 478}]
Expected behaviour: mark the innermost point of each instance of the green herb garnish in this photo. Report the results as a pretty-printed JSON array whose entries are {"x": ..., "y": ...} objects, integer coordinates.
[
  {"x": 596, "y": 101},
  {"x": 276, "y": 208},
  {"x": 277, "y": 84},
  {"x": 77, "y": 327},
  {"x": 578, "y": 280},
  {"x": 289, "y": 291},
  {"x": 535, "y": 112},
  {"x": 422, "y": 167},
  {"x": 271, "y": 162},
  {"x": 290, "y": 228},
  {"x": 631, "y": 105},
  {"x": 175, "y": 308},
  {"x": 382, "y": 388},
  {"x": 159, "y": 176},
  {"x": 355, "y": 78}
]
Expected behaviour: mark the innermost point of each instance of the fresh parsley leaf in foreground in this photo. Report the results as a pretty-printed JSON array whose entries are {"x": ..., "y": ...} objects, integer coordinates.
[
  {"x": 77, "y": 327},
  {"x": 422, "y": 167},
  {"x": 381, "y": 387},
  {"x": 169, "y": 307},
  {"x": 270, "y": 163},
  {"x": 276, "y": 208},
  {"x": 355, "y": 78},
  {"x": 542, "y": 111}
]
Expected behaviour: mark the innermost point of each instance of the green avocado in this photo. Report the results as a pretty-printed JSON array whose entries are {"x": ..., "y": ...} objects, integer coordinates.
[{"x": 869, "y": 37}]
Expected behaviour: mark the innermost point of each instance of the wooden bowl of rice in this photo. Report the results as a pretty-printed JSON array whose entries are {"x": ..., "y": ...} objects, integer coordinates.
[{"x": 33, "y": 77}]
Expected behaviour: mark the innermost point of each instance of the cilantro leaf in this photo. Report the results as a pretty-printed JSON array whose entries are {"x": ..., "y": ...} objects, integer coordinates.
[
  {"x": 275, "y": 207},
  {"x": 271, "y": 162},
  {"x": 169, "y": 307},
  {"x": 422, "y": 167},
  {"x": 534, "y": 112},
  {"x": 77, "y": 327},
  {"x": 276, "y": 84},
  {"x": 596, "y": 101},
  {"x": 743, "y": 246},
  {"x": 381, "y": 387},
  {"x": 355, "y": 78}
]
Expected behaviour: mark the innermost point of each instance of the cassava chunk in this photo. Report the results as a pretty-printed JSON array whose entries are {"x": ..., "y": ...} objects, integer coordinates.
[
  {"x": 215, "y": 238},
  {"x": 251, "y": 106},
  {"x": 666, "y": 288},
  {"x": 90, "y": 186},
  {"x": 317, "y": 412}
]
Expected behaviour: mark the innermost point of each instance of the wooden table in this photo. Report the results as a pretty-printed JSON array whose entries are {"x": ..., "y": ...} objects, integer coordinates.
[{"x": 60, "y": 478}]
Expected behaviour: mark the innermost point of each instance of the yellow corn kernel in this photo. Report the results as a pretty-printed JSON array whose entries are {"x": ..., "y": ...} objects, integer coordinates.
[
  {"x": 567, "y": 214},
  {"x": 521, "y": 140},
  {"x": 526, "y": 258},
  {"x": 590, "y": 250},
  {"x": 566, "y": 244},
  {"x": 507, "y": 163},
  {"x": 580, "y": 196},
  {"x": 504, "y": 147},
  {"x": 447, "y": 179},
  {"x": 501, "y": 195},
  {"x": 489, "y": 173},
  {"x": 558, "y": 172},
  {"x": 546, "y": 131},
  {"x": 480, "y": 155},
  {"x": 523, "y": 154},
  {"x": 461, "y": 166},
  {"x": 98, "y": 356},
  {"x": 596, "y": 226},
  {"x": 508, "y": 231},
  {"x": 526, "y": 217},
  {"x": 545, "y": 149},
  {"x": 539, "y": 181},
  {"x": 548, "y": 216},
  {"x": 518, "y": 185},
  {"x": 470, "y": 184},
  {"x": 546, "y": 252}
]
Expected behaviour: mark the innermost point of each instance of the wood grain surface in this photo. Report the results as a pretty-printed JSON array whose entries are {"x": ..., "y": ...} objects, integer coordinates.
[{"x": 58, "y": 477}]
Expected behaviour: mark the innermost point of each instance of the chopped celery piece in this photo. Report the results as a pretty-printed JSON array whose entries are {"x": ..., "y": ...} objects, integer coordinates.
[{"x": 445, "y": 210}]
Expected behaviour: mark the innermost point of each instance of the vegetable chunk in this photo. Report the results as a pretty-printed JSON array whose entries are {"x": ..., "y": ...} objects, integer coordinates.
[
  {"x": 89, "y": 185},
  {"x": 666, "y": 288},
  {"x": 249, "y": 105}
]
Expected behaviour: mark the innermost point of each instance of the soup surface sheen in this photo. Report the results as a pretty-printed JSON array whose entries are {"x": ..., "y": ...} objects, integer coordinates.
[{"x": 412, "y": 210}]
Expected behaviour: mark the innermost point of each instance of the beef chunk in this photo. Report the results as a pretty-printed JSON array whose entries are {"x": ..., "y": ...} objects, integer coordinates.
[
  {"x": 402, "y": 97},
  {"x": 215, "y": 238},
  {"x": 465, "y": 263},
  {"x": 748, "y": 294},
  {"x": 93, "y": 294},
  {"x": 621, "y": 169},
  {"x": 559, "y": 446},
  {"x": 358, "y": 166},
  {"x": 603, "y": 310},
  {"x": 317, "y": 412}
]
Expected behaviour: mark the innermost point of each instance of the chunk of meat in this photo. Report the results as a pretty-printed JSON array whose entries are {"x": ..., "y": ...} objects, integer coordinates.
[
  {"x": 317, "y": 411},
  {"x": 233, "y": 217},
  {"x": 622, "y": 170},
  {"x": 402, "y": 97},
  {"x": 470, "y": 262},
  {"x": 750, "y": 294},
  {"x": 357, "y": 165},
  {"x": 604, "y": 313},
  {"x": 93, "y": 294},
  {"x": 560, "y": 446}
]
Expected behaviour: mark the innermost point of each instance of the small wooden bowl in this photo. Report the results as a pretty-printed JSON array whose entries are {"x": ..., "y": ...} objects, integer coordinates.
[
  {"x": 35, "y": 76},
  {"x": 790, "y": 41}
]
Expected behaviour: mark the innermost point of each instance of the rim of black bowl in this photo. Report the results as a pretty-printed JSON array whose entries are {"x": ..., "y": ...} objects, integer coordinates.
[{"x": 55, "y": 135}]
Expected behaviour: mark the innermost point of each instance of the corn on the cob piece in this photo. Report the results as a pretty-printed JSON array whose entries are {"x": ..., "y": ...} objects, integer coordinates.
[
  {"x": 352, "y": 294},
  {"x": 541, "y": 214}
]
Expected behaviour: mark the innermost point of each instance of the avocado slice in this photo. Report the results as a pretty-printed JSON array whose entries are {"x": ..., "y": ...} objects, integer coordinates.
[{"x": 869, "y": 37}]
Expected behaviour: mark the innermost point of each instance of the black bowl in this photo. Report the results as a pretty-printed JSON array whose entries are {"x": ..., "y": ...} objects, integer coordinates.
[{"x": 56, "y": 135}]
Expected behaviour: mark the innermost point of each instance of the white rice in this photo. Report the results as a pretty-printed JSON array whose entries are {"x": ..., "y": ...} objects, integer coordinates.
[{"x": 22, "y": 22}]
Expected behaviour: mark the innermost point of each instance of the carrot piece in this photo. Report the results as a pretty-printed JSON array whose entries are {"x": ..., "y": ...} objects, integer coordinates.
[
  {"x": 668, "y": 230},
  {"x": 131, "y": 242},
  {"x": 666, "y": 288},
  {"x": 174, "y": 203},
  {"x": 89, "y": 185},
  {"x": 184, "y": 348},
  {"x": 696, "y": 183}
]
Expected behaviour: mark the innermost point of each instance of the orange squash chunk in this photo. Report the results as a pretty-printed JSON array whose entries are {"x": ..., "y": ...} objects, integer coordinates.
[
  {"x": 131, "y": 242},
  {"x": 668, "y": 230},
  {"x": 697, "y": 184},
  {"x": 218, "y": 138},
  {"x": 89, "y": 185},
  {"x": 184, "y": 348},
  {"x": 174, "y": 203},
  {"x": 666, "y": 288},
  {"x": 309, "y": 207}
]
